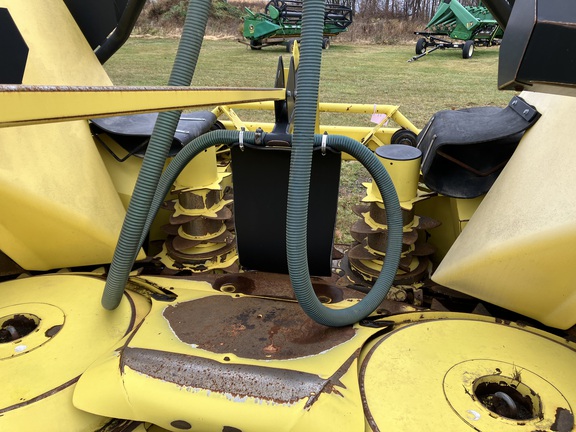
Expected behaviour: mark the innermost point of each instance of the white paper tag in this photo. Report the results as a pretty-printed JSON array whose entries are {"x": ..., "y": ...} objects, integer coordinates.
[{"x": 378, "y": 118}]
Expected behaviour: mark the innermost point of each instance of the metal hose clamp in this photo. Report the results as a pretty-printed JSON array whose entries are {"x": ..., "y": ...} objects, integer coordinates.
[
  {"x": 241, "y": 138},
  {"x": 324, "y": 141}
]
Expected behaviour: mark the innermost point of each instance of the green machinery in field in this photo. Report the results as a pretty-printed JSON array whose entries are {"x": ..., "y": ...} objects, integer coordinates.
[
  {"x": 281, "y": 23},
  {"x": 470, "y": 25}
]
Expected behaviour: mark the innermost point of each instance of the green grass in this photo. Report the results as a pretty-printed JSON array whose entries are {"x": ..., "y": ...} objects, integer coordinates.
[{"x": 350, "y": 73}]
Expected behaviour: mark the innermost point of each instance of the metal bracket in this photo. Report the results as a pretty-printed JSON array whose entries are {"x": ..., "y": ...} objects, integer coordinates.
[{"x": 523, "y": 109}]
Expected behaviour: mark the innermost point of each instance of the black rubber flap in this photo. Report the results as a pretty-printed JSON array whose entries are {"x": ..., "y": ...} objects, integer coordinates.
[
  {"x": 464, "y": 151},
  {"x": 260, "y": 177},
  {"x": 134, "y": 130},
  {"x": 13, "y": 50}
]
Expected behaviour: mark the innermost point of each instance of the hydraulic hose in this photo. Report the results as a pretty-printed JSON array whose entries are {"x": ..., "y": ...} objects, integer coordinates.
[
  {"x": 299, "y": 184},
  {"x": 301, "y": 279},
  {"x": 304, "y": 291},
  {"x": 152, "y": 186},
  {"x": 155, "y": 158},
  {"x": 179, "y": 162},
  {"x": 122, "y": 31}
]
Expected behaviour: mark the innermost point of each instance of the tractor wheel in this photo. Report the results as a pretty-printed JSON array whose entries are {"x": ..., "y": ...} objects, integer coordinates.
[
  {"x": 326, "y": 43},
  {"x": 290, "y": 46},
  {"x": 255, "y": 44},
  {"x": 404, "y": 136},
  {"x": 468, "y": 49},
  {"x": 421, "y": 46}
]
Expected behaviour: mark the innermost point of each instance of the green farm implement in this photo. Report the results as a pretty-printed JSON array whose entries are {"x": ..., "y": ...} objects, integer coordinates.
[
  {"x": 466, "y": 26},
  {"x": 281, "y": 23}
]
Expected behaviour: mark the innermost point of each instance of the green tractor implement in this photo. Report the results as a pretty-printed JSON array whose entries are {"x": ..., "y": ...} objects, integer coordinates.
[
  {"x": 281, "y": 23},
  {"x": 467, "y": 26}
]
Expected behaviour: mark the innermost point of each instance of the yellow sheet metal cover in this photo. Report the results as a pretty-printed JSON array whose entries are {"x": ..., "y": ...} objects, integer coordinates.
[
  {"x": 241, "y": 362},
  {"x": 59, "y": 330},
  {"x": 464, "y": 375}
]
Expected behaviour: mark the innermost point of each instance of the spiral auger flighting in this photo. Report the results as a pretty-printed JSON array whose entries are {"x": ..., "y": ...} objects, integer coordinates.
[
  {"x": 200, "y": 237},
  {"x": 364, "y": 260}
]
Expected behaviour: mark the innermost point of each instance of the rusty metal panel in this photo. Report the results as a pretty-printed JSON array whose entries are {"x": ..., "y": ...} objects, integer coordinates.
[{"x": 254, "y": 328}]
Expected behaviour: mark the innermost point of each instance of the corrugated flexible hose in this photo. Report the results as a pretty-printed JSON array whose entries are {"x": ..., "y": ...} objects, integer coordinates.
[
  {"x": 145, "y": 206},
  {"x": 155, "y": 158},
  {"x": 304, "y": 291},
  {"x": 299, "y": 185}
]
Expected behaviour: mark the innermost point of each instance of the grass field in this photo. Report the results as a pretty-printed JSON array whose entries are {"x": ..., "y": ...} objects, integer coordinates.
[{"x": 350, "y": 73}]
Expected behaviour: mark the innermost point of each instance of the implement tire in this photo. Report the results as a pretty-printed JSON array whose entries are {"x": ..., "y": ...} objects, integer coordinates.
[
  {"x": 468, "y": 49},
  {"x": 255, "y": 44},
  {"x": 421, "y": 46}
]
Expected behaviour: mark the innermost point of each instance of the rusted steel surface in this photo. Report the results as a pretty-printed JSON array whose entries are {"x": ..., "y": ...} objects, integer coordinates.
[
  {"x": 199, "y": 259},
  {"x": 366, "y": 258},
  {"x": 237, "y": 381},
  {"x": 378, "y": 214},
  {"x": 199, "y": 238},
  {"x": 203, "y": 227},
  {"x": 360, "y": 229},
  {"x": 181, "y": 244},
  {"x": 276, "y": 285},
  {"x": 252, "y": 327}
]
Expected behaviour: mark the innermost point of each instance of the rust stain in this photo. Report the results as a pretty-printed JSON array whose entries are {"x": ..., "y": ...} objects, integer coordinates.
[
  {"x": 251, "y": 327},
  {"x": 564, "y": 420},
  {"x": 334, "y": 380},
  {"x": 278, "y": 286},
  {"x": 237, "y": 381}
]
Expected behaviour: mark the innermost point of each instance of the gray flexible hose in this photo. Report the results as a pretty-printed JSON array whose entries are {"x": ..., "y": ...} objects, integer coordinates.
[
  {"x": 179, "y": 162},
  {"x": 147, "y": 196},
  {"x": 301, "y": 278},
  {"x": 155, "y": 158},
  {"x": 304, "y": 291},
  {"x": 299, "y": 183}
]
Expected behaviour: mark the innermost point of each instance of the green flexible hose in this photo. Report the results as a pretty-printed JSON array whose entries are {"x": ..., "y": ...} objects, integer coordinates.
[
  {"x": 155, "y": 158},
  {"x": 301, "y": 277},
  {"x": 151, "y": 188},
  {"x": 179, "y": 162},
  {"x": 299, "y": 184},
  {"x": 304, "y": 291}
]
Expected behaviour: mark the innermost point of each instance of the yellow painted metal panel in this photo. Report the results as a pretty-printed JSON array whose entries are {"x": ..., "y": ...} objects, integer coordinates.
[
  {"x": 122, "y": 174},
  {"x": 39, "y": 370},
  {"x": 127, "y": 393},
  {"x": 518, "y": 251},
  {"x": 445, "y": 396},
  {"x": 59, "y": 207},
  {"x": 58, "y": 52}
]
